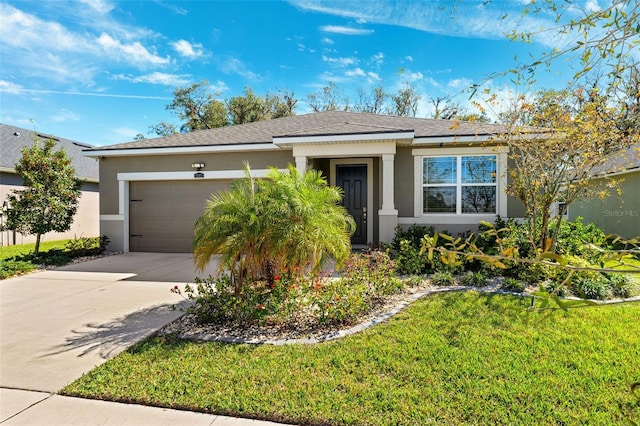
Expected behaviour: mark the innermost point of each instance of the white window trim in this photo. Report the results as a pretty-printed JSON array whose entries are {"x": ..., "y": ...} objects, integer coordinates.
[{"x": 463, "y": 218}]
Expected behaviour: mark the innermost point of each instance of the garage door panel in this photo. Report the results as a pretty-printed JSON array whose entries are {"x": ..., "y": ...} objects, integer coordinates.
[{"x": 163, "y": 214}]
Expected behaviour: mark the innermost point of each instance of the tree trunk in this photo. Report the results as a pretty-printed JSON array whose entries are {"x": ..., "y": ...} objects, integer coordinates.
[{"x": 37, "y": 250}]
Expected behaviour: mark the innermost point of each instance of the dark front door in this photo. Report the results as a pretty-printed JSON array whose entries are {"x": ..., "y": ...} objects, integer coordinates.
[{"x": 353, "y": 180}]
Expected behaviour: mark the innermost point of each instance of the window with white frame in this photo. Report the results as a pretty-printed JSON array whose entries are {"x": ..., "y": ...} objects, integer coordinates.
[{"x": 460, "y": 184}]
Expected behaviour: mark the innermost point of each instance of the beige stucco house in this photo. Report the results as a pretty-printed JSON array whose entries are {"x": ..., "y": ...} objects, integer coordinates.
[
  {"x": 86, "y": 222},
  {"x": 395, "y": 171},
  {"x": 615, "y": 213}
]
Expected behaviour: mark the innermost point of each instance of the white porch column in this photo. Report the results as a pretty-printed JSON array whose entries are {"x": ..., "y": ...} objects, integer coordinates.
[
  {"x": 301, "y": 164},
  {"x": 388, "y": 215}
]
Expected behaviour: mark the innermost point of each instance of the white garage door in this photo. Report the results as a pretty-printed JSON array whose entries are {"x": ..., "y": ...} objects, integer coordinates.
[{"x": 162, "y": 214}]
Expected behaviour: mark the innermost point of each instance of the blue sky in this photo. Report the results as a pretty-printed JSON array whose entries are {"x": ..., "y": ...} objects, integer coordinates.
[{"x": 101, "y": 71}]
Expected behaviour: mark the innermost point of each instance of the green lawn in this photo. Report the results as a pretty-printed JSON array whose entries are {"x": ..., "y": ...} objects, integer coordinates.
[
  {"x": 7, "y": 252},
  {"x": 454, "y": 358}
]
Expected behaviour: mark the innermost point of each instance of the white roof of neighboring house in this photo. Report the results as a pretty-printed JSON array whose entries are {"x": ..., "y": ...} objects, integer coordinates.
[{"x": 13, "y": 139}]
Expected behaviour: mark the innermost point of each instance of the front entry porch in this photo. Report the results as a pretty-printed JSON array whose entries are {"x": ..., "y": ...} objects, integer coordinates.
[{"x": 366, "y": 174}]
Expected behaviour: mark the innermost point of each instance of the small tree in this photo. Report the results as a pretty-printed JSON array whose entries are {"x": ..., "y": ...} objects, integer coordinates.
[
  {"x": 51, "y": 194},
  {"x": 262, "y": 227},
  {"x": 577, "y": 139}
]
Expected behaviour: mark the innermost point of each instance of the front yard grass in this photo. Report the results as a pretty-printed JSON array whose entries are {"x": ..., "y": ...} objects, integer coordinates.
[{"x": 452, "y": 358}]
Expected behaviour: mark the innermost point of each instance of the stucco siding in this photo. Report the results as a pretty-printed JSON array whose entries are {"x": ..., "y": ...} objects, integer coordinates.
[
  {"x": 614, "y": 214},
  {"x": 404, "y": 191},
  {"x": 111, "y": 166},
  {"x": 86, "y": 221}
]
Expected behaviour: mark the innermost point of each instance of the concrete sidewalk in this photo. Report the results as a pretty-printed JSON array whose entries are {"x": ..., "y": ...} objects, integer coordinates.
[
  {"x": 21, "y": 408},
  {"x": 56, "y": 325}
]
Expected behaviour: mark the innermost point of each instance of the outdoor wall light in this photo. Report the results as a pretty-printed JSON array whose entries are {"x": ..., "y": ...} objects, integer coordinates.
[{"x": 198, "y": 166}]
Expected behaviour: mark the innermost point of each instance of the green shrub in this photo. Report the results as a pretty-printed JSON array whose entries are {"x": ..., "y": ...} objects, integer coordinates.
[
  {"x": 513, "y": 284},
  {"x": 87, "y": 246},
  {"x": 215, "y": 301},
  {"x": 574, "y": 238},
  {"x": 409, "y": 260},
  {"x": 473, "y": 279},
  {"x": 414, "y": 281},
  {"x": 341, "y": 301},
  {"x": 413, "y": 234},
  {"x": 622, "y": 286},
  {"x": 11, "y": 267},
  {"x": 555, "y": 287},
  {"x": 443, "y": 278},
  {"x": 591, "y": 287},
  {"x": 367, "y": 277}
]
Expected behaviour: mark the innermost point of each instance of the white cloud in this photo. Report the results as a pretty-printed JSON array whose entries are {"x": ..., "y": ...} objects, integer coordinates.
[
  {"x": 8, "y": 87},
  {"x": 219, "y": 87},
  {"x": 100, "y": 6},
  {"x": 26, "y": 31},
  {"x": 592, "y": 6},
  {"x": 236, "y": 66},
  {"x": 338, "y": 29},
  {"x": 134, "y": 52},
  {"x": 356, "y": 72},
  {"x": 343, "y": 62},
  {"x": 460, "y": 83},
  {"x": 409, "y": 58},
  {"x": 327, "y": 40},
  {"x": 374, "y": 76},
  {"x": 157, "y": 78},
  {"x": 186, "y": 49},
  {"x": 378, "y": 58},
  {"x": 414, "y": 76},
  {"x": 489, "y": 20},
  {"x": 65, "y": 115}
]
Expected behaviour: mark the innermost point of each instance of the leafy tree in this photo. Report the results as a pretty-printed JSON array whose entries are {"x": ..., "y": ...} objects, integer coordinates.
[
  {"x": 51, "y": 194},
  {"x": 558, "y": 142},
  {"x": 282, "y": 104},
  {"x": 606, "y": 39},
  {"x": 139, "y": 137},
  {"x": 329, "y": 98},
  {"x": 405, "y": 101},
  {"x": 247, "y": 108},
  {"x": 198, "y": 108},
  {"x": 373, "y": 102},
  {"x": 262, "y": 227},
  {"x": 164, "y": 128}
]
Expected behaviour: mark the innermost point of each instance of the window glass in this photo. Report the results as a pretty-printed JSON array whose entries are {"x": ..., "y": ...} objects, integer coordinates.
[
  {"x": 439, "y": 170},
  {"x": 479, "y": 169},
  {"x": 478, "y": 199},
  {"x": 439, "y": 199}
]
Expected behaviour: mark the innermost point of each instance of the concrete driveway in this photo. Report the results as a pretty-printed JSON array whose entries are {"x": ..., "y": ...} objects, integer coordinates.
[{"x": 56, "y": 325}]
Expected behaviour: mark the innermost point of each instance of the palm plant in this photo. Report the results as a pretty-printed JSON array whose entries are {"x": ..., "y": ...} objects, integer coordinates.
[{"x": 288, "y": 221}]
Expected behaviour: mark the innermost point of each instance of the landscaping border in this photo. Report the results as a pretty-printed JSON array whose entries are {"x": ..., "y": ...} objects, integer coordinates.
[{"x": 378, "y": 319}]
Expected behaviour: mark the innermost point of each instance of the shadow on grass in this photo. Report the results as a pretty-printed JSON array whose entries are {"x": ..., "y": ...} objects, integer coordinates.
[{"x": 110, "y": 338}]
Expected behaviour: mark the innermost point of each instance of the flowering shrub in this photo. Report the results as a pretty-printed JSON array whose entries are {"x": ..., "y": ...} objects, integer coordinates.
[{"x": 366, "y": 279}]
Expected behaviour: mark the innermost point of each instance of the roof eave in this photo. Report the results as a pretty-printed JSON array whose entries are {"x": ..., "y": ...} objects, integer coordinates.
[
  {"x": 172, "y": 150},
  {"x": 290, "y": 141}
]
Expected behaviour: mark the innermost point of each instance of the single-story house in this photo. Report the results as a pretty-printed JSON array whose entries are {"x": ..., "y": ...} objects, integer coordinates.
[
  {"x": 395, "y": 171},
  {"x": 615, "y": 213},
  {"x": 86, "y": 222}
]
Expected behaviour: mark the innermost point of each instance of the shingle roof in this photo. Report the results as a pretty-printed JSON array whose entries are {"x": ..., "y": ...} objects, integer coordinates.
[
  {"x": 13, "y": 139},
  {"x": 315, "y": 124},
  {"x": 621, "y": 161}
]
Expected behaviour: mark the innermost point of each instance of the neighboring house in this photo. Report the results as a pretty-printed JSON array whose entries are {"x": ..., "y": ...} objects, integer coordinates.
[
  {"x": 615, "y": 213},
  {"x": 86, "y": 221},
  {"x": 394, "y": 171}
]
